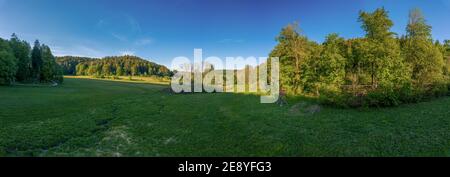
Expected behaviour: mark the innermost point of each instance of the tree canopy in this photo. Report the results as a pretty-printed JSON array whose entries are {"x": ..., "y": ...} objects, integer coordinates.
[
  {"x": 112, "y": 66},
  {"x": 69, "y": 63},
  {"x": 8, "y": 63},
  {"x": 20, "y": 63},
  {"x": 380, "y": 69}
]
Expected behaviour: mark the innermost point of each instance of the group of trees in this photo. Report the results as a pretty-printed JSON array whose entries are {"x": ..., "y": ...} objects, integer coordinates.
[
  {"x": 112, "y": 66},
  {"x": 21, "y": 63},
  {"x": 69, "y": 63},
  {"x": 379, "y": 69}
]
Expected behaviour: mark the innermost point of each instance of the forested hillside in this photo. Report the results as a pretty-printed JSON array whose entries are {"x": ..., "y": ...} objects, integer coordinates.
[
  {"x": 112, "y": 66},
  {"x": 21, "y": 63},
  {"x": 380, "y": 69},
  {"x": 69, "y": 63}
]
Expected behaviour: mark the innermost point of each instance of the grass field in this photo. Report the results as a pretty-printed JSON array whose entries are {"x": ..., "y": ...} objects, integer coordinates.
[{"x": 85, "y": 117}]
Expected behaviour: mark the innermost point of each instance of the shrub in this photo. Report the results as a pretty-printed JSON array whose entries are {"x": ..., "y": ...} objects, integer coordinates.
[
  {"x": 59, "y": 79},
  {"x": 438, "y": 90},
  {"x": 448, "y": 88},
  {"x": 382, "y": 97},
  {"x": 409, "y": 94}
]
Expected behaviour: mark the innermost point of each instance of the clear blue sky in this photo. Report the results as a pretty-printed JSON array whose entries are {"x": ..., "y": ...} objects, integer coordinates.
[{"x": 163, "y": 29}]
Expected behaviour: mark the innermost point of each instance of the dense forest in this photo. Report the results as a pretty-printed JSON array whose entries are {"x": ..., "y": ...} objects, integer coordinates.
[
  {"x": 21, "y": 63},
  {"x": 69, "y": 63},
  {"x": 380, "y": 69},
  {"x": 111, "y": 66}
]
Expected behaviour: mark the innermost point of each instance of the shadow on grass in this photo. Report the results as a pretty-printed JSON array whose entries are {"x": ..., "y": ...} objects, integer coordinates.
[{"x": 293, "y": 100}]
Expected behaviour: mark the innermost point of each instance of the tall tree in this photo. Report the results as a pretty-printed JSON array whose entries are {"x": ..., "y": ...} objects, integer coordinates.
[
  {"x": 376, "y": 24},
  {"x": 106, "y": 69},
  {"x": 417, "y": 26},
  {"x": 21, "y": 50},
  {"x": 134, "y": 70},
  {"x": 81, "y": 69},
  {"x": 446, "y": 46},
  {"x": 425, "y": 58},
  {"x": 327, "y": 70},
  {"x": 387, "y": 67},
  {"x": 293, "y": 50},
  {"x": 49, "y": 68},
  {"x": 36, "y": 60}
]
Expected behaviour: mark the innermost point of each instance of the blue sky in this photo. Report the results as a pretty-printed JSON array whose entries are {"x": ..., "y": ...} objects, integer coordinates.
[{"x": 160, "y": 30}]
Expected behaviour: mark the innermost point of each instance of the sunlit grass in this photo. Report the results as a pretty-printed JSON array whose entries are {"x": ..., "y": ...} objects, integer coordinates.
[{"x": 129, "y": 79}]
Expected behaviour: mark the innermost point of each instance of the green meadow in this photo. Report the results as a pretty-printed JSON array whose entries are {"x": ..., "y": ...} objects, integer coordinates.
[{"x": 88, "y": 117}]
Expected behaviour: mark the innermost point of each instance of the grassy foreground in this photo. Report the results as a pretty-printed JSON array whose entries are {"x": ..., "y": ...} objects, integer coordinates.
[{"x": 86, "y": 117}]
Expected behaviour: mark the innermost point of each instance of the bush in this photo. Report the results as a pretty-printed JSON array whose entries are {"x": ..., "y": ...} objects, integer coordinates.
[
  {"x": 409, "y": 94},
  {"x": 59, "y": 79},
  {"x": 328, "y": 98},
  {"x": 448, "y": 89},
  {"x": 382, "y": 97},
  {"x": 343, "y": 99},
  {"x": 438, "y": 90}
]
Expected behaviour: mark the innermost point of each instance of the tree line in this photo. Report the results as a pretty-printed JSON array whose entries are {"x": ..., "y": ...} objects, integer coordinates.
[
  {"x": 380, "y": 69},
  {"x": 21, "y": 63},
  {"x": 69, "y": 63},
  {"x": 112, "y": 66}
]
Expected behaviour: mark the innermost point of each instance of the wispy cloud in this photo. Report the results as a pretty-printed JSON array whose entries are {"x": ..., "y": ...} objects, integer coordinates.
[
  {"x": 119, "y": 37},
  {"x": 143, "y": 41},
  {"x": 127, "y": 53},
  {"x": 134, "y": 24},
  {"x": 77, "y": 50},
  {"x": 125, "y": 29}
]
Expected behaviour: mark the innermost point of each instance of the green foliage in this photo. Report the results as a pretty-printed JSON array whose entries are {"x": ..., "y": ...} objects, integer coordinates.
[
  {"x": 377, "y": 70},
  {"x": 20, "y": 63},
  {"x": 293, "y": 51},
  {"x": 119, "y": 70},
  {"x": 81, "y": 69},
  {"x": 386, "y": 65},
  {"x": 325, "y": 72},
  {"x": 36, "y": 61},
  {"x": 424, "y": 57},
  {"x": 119, "y": 66},
  {"x": 382, "y": 97},
  {"x": 50, "y": 69},
  {"x": 417, "y": 26},
  {"x": 21, "y": 51},
  {"x": 8, "y": 63},
  {"x": 44, "y": 66},
  {"x": 376, "y": 24},
  {"x": 446, "y": 48},
  {"x": 69, "y": 63}
]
